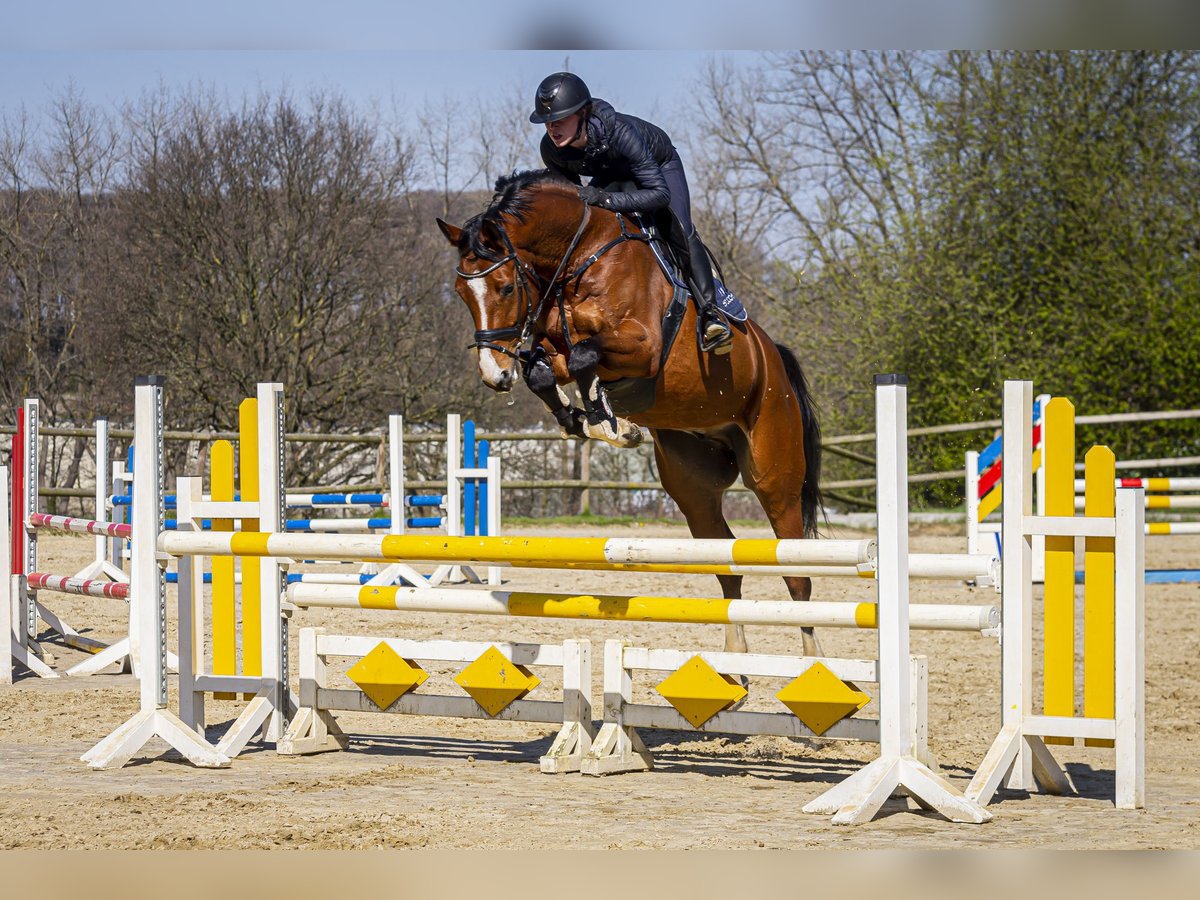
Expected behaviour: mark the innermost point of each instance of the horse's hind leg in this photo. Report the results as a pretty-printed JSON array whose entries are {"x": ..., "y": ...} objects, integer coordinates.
[
  {"x": 773, "y": 466},
  {"x": 695, "y": 472}
]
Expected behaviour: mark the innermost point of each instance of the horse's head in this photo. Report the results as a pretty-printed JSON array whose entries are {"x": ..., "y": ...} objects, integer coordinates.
[
  {"x": 499, "y": 282},
  {"x": 490, "y": 282}
]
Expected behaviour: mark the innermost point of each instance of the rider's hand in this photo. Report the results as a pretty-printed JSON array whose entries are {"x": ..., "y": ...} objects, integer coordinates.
[{"x": 595, "y": 197}]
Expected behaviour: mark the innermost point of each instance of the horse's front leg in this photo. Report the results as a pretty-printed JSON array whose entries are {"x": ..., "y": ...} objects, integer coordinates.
[
  {"x": 539, "y": 376},
  {"x": 601, "y": 421}
]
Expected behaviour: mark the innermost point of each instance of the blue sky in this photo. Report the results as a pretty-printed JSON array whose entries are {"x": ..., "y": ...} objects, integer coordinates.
[
  {"x": 413, "y": 52},
  {"x": 647, "y": 83}
]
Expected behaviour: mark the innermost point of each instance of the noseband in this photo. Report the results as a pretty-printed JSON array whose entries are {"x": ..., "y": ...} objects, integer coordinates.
[{"x": 488, "y": 338}]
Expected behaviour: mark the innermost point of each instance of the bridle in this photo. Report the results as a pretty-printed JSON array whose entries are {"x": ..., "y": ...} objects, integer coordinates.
[{"x": 520, "y": 331}]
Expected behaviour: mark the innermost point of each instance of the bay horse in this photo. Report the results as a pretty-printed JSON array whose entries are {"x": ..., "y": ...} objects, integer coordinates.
[{"x": 576, "y": 295}]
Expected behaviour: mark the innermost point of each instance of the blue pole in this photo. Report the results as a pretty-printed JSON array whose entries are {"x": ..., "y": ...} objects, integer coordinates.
[{"x": 469, "y": 483}]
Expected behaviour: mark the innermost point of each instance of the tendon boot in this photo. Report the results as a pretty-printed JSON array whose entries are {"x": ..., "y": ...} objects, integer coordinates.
[{"x": 712, "y": 328}]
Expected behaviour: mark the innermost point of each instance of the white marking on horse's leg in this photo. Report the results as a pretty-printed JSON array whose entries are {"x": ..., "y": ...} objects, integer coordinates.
[{"x": 735, "y": 639}]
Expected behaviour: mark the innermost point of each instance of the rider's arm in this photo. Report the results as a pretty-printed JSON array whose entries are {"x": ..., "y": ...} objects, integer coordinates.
[{"x": 652, "y": 192}]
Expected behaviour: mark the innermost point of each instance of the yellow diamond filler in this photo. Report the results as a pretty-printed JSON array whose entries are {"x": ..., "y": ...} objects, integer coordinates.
[
  {"x": 819, "y": 699},
  {"x": 384, "y": 675},
  {"x": 494, "y": 681},
  {"x": 699, "y": 691}
]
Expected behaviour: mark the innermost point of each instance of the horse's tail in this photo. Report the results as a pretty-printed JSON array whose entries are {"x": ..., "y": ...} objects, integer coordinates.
[{"x": 811, "y": 503}]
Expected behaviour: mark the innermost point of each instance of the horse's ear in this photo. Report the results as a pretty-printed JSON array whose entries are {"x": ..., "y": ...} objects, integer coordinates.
[{"x": 452, "y": 233}]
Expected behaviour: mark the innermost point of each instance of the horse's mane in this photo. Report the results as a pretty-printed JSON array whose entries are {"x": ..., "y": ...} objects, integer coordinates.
[{"x": 511, "y": 197}]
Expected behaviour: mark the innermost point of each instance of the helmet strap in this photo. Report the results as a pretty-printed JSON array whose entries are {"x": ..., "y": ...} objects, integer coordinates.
[{"x": 581, "y": 128}]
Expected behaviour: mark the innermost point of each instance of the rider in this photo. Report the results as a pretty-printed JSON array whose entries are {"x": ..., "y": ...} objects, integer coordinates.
[{"x": 586, "y": 136}]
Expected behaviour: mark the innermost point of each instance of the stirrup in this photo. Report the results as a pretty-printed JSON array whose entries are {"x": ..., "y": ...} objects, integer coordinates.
[{"x": 717, "y": 336}]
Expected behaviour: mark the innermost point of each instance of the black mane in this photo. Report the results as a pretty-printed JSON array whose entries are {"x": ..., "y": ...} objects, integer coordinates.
[{"x": 511, "y": 198}]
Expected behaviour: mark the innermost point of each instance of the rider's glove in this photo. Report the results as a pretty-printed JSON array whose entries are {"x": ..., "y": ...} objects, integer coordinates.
[{"x": 593, "y": 196}]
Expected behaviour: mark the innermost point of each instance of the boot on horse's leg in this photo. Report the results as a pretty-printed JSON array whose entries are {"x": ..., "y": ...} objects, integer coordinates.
[
  {"x": 539, "y": 377},
  {"x": 715, "y": 334},
  {"x": 602, "y": 422}
]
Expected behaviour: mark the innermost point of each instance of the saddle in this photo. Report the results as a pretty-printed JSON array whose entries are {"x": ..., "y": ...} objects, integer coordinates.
[{"x": 634, "y": 395}]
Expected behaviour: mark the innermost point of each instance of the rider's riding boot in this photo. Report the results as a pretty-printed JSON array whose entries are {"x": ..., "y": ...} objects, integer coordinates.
[{"x": 715, "y": 335}]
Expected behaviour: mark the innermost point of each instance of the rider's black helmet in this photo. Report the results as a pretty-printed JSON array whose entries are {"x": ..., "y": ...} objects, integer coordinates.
[{"x": 558, "y": 96}]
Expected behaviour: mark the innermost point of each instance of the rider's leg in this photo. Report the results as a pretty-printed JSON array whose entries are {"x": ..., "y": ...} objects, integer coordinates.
[{"x": 714, "y": 329}]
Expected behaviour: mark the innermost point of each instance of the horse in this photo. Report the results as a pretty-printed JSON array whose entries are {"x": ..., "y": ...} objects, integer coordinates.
[{"x": 572, "y": 294}]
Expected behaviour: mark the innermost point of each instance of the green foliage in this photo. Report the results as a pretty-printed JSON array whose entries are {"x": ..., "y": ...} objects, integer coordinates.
[{"x": 980, "y": 217}]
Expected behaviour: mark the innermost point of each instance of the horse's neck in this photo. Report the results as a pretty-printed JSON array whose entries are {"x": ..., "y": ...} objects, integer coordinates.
[{"x": 551, "y": 237}]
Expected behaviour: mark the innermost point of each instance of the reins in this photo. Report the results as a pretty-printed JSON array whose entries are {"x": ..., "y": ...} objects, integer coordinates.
[
  {"x": 520, "y": 331},
  {"x": 488, "y": 337}
]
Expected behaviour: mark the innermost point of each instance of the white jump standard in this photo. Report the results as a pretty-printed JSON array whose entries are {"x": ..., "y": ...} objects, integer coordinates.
[{"x": 148, "y": 582}]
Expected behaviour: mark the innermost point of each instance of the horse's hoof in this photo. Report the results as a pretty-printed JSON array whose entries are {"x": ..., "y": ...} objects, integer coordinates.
[{"x": 624, "y": 435}]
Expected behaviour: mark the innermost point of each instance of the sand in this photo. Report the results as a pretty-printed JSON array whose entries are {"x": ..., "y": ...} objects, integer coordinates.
[{"x": 424, "y": 782}]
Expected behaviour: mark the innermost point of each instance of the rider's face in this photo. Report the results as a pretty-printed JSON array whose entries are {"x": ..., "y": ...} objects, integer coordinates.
[{"x": 562, "y": 132}]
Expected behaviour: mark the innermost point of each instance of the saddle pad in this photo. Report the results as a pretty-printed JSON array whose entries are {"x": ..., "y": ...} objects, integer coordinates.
[{"x": 730, "y": 305}]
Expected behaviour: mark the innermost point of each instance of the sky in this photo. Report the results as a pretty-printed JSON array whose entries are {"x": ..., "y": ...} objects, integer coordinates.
[
  {"x": 646, "y": 83},
  {"x": 642, "y": 57},
  {"x": 642, "y": 53}
]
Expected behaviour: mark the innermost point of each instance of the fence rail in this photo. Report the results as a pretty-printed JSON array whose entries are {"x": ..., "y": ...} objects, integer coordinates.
[{"x": 835, "y": 445}]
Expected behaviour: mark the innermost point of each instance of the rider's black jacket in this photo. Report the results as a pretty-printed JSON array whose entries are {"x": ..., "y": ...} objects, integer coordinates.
[{"x": 619, "y": 148}]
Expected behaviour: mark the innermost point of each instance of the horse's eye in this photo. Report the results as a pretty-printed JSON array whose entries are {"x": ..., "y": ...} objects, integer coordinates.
[{"x": 506, "y": 291}]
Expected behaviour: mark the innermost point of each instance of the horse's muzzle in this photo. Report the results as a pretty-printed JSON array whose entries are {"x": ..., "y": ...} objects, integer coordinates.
[{"x": 497, "y": 378}]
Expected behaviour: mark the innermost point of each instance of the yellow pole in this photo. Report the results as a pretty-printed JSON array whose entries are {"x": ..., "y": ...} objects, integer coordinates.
[
  {"x": 1058, "y": 661},
  {"x": 1099, "y": 593},
  {"x": 251, "y": 575},
  {"x": 224, "y": 613}
]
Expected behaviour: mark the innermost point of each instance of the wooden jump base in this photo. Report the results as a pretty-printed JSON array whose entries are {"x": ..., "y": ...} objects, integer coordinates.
[
  {"x": 897, "y": 768},
  {"x": 902, "y": 765},
  {"x": 1114, "y": 617},
  {"x": 23, "y": 592}
]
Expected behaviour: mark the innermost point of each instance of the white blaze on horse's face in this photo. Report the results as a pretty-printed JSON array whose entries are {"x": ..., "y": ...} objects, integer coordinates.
[{"x": 495, "y": 369}]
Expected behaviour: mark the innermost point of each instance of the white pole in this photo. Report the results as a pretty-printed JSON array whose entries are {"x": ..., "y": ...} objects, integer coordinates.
[
  {"x": 28, "y": 536},
  {"x": 1130, "y": 656},
  {"x": 1016, "y": 688},
  {"x": 453, "y": 484},
  {"x": 271, "y": 519},
  {"x": 119, "y": 513},
  {"x": 148, "y": 586},
  {"x": 191, "y": 613},
  {"x": 972, "y": 499},
  {"x": 493, "y": 523},
  {"x": 396, "y": 480},
  {"x": 891, "y": 453},
  {"x": 1039, "y": 482},
  {"x": 148, "y": 589},
  {"x": 7, "y": 635},
  {"x": 525, "y": 552},
  {"x": 101, "y": 487},
  {"x": 859, "y": 797}
]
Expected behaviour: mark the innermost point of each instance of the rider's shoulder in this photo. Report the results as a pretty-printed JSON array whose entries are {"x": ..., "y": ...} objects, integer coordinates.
[{"x": 603, "y": 109}]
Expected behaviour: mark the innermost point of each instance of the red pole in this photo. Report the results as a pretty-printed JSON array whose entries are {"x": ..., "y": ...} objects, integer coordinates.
[{"x": 18, "y": 494}]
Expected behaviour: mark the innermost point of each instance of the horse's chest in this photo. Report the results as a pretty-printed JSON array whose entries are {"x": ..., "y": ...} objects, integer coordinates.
[{"x": 572, "y": 324}]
